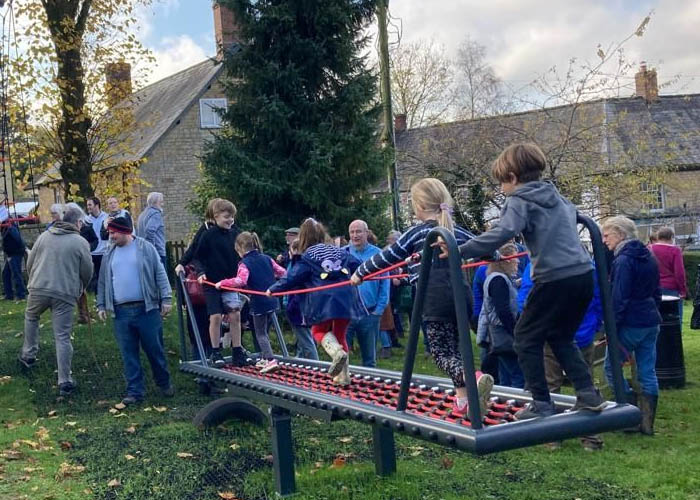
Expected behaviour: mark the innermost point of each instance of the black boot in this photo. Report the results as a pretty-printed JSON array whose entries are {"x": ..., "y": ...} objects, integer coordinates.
[{"x": 647, "y": 404}]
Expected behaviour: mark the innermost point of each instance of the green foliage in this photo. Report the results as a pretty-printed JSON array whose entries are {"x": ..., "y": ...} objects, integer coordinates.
[
  {"x": 301, "y": 135},
  {"x": 691, "y": 261}
]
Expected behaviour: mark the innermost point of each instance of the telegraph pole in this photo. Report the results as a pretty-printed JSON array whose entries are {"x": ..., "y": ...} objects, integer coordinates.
[{"x": 388, "y": 144}]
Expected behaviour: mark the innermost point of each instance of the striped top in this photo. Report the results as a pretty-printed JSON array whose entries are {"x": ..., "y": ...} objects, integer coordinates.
[{"x": 410, "y": 242}]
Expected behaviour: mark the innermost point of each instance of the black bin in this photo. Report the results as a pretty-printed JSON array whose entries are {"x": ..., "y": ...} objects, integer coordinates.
[{"x": 670, "y": 366}]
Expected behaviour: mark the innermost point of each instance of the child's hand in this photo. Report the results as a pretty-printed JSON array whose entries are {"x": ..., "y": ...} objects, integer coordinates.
[
  {"x": 444, "y": 253},
  {"x": 355, "y": 280},
  {"x": 202, "y": 278},
  {"x": 268, "y": 293},
  {"x": 218, "y": 285}
]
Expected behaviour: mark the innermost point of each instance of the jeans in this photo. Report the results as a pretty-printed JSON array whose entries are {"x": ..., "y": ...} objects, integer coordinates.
[
  {"x": 306, "y": 347},
  {"x": 134, "y": 326},
  {"x": 62, "y": 323},
  {"x": 385, "y": 338},
  {"x": 509, "y": 372},
  {"x": 398, "y": 321},
  {"x": 366, "y": 330},
  {"x": 261, "y": 325},
  {"x": 13, "y": 272},
  {"x": 642, "y": 343}
]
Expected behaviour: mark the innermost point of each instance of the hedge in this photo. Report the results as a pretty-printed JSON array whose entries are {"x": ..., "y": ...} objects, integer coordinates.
[{"x": 691, "y": 261}]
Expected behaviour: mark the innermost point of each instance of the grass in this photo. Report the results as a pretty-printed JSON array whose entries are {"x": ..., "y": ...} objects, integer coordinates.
[{"x": 77, "y": 448}]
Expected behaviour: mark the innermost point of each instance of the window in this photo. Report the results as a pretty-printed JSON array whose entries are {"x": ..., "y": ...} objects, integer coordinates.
[
  {"x": 652, "y": 197},
  {"x": 209, "y": 116}
]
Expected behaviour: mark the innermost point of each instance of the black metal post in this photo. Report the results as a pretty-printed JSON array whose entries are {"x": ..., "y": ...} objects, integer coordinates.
[
  {"x": 384, "y": 450},
  {"x": 280, "y": 337},
  {"x": 282, "y": 450},
  {"x": 192, "y": 318},
  {"x": 181, "y": 323},
  {"x": 606, "y": 301}
]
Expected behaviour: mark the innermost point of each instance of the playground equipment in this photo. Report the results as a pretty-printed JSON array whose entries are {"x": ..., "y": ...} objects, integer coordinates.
[{"x": 416, "y": 405}]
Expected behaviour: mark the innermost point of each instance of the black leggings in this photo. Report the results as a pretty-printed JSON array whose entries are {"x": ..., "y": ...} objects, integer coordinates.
[{"x": 444, "y": 346}]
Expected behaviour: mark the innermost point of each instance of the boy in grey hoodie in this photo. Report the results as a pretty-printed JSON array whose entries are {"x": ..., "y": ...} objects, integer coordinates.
[{"x": 561, "y": 272}]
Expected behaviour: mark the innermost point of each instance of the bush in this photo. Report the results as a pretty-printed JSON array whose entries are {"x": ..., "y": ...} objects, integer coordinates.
[{"x": 691, "y": 261}]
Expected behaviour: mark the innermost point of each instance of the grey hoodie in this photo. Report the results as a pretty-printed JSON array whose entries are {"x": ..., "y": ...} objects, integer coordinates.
[
  {"x": 60, "y": 264},
  {"x": 547, "y": 222}
]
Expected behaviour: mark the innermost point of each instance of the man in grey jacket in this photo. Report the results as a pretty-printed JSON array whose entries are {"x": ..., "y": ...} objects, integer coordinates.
[
  {"x": 134, "y": 287},
  {"x": 60, "y": 268},
  {"x": 150, "y": 225}
]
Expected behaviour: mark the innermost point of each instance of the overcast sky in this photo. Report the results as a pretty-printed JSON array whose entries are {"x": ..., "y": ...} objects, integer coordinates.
[{"x": 524, "y": 38}]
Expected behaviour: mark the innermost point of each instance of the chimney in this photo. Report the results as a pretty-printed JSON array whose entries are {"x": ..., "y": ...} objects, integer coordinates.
[
  {"x": 226, "y": 30},
  {"x": 645, "y": 83},
  {"x": 399, "y": 123},
  {"x": 118, "y": 87}
]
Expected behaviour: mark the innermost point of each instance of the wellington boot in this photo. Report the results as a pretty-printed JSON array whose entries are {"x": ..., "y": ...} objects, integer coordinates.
[
  {"x": 343, "y": 378},
  {"x": 647, "y": 404},
  {"x": 338, "y": 356}
]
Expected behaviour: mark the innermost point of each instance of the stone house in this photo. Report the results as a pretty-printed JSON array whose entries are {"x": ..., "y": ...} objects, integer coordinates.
[{"x": 173, "y": 118}]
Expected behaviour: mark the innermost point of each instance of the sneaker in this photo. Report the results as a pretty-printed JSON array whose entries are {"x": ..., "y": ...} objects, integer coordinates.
[
  {"x": 168, "y": 392},
  {"x": 536, "y": 409},
  {"x": 239, "y": 358},
  {"x": 589, "y": 399},
  {"x": 27, "y": 363},
  {"x": 131, "y": 400},
  {"x": 216, "y": 360},
  {"x": 261, "y": 363},
  {"x": 66, "y": 388},
  {"x": 484, "y": 385},
  {"x": 271, "y": 366}
]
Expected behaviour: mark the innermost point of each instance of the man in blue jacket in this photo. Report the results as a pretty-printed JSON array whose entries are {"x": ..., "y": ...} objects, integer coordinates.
[{"x": 375, "y": 295}]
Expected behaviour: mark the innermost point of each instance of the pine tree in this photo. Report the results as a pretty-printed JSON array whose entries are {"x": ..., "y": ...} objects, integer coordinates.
[{"x": 301, "y": 127}]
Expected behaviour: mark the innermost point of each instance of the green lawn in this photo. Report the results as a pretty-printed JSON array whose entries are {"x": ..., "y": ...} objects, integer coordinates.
[{"x": 84, "y": 448}]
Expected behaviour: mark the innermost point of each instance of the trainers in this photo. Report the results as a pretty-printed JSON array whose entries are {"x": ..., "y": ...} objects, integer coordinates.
[
  {"x": 589, "y": 399},
  {"x": 131, "y": 400},
  {"x": 271, "y": 366},
  {"x": 66, "y": 388},
  {"x": 261, "y": 363},
  {"x": 239, "y": 358},
  {"x": 216, "y": 360},
  {"x": 536, "y": 409},
  {"x": 484, "y": 385},
  {"x": 168, "y": 392},
  {"x": 27, "y": 363}
]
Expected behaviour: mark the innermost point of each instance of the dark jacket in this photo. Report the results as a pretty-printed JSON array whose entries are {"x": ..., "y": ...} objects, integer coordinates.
[
  {"x": 635, "y": 286},
  {"x": 89, "y": 234},
  {"x": 216, "y": 252},
  {"x": 104, "y": 232},
  {"x": 294, "y": 302},
  {"x": 261, "y": 277},
  {"x": 188, "y": 257},
  {"x": 12, "y": 242},
  {"x": 323, "y": 265}
]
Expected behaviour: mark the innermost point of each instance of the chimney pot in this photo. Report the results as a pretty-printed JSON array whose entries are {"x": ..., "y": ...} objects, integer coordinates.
[
  {"x": 645, "y": 83},
  {"x": 118, "y": 86},
  {"x": 226, "y": 29},
  {"x": 400, "y": 122}
]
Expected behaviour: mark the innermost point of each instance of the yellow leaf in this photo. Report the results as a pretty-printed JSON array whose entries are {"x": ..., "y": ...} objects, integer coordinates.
[
  {"x": 114, "y": 483},
  {"x": 120, "y": 406},
  {"x": 129, "y": 457},
  {"x": 234, "y": 446},
  {"x": 131, "y": 430},
  {"x": 52, "y": 413},
  {"x": 227, "y": 495},
  {"x": 347, "y": 439},
  {"x": 160, "y": 409},
  {"x": 183, "y": 454},
  {"x": 71, "y": 424},
  {"x": 113, "y": 411}
]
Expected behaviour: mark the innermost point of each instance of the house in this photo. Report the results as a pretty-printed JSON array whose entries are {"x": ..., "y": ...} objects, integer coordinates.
[
  {"x": 593, "y": 147},
  {"x": 173, "y": 118}
]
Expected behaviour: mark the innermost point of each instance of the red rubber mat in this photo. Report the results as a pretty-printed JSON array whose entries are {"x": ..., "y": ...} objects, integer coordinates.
[{"x": 422, "y": 400}]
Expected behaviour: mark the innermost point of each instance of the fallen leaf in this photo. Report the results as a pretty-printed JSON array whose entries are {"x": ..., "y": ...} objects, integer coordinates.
[
  {"x": 182, "y": 454},
  {"x": 11, "y": 455},
  {"x": 148, "y": 408},
  {"x": 5, "y": 379},
  {"x": 113, "y": 411},
  {"x": 68, "y": 470},
  {"x": 102, "y": 402},
  {"x": 82, "y": 430},
  {"x": 234, "y": 446},
  {"x": 66, "y": 445},
  {"x": 52, "y": 413},
  {"x": 160, "y": 409},
  {"x": 32, "y": 444},
  {"x": 131, "y": 430},
  {"x": 120, "y": 406},
  {"x": 29, "y": 470},
  {"x": 447, "y": 463},
  {"x": 227, "y": 495},
  {"x": 71, "y": 424},
  {"x": 346, "y": 439},
  {"x": 268, "y": 458},
  {"x": 338, "y": 462},
  {"x": 129, "y": 457},
  {"x": 114, "y": 483},
  {"x": 42, "y": 434},
  {"x": 120, "y": 415}
]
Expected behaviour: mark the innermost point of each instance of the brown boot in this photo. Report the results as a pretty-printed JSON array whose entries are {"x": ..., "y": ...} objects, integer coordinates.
[
  {"x": 83, "y": 311},
  {"x": 647, "y": 404}
]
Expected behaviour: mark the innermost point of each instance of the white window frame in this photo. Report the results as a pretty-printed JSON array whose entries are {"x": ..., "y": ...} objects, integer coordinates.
[
  {"x": 208, "y": 115},
  {"x": 648, "y": 189}
]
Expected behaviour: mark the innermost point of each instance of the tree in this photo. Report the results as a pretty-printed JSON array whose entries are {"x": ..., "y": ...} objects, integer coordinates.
[
  {"x": 301, "y": 127},
  {"x": 422, "y": 82},
  {"x": 68, "y": 44},
  {"x": 478, "y": 91}
]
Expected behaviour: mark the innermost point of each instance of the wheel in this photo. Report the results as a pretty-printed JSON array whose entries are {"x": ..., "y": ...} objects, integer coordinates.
[{"x": 223, "y": 409}]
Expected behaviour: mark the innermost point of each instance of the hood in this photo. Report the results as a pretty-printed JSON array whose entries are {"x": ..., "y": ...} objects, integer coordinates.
[
  {"x": 635, "y": 249},
  {"x": 542, "y": 193},
  {"x": 60, "y": 227}
]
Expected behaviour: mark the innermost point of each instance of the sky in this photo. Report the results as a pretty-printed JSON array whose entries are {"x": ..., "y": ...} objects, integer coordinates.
[{"x": 524, "y": 38}]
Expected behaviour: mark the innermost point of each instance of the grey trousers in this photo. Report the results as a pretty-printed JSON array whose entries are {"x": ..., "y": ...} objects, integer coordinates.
[{"x": 62, "y": 321}]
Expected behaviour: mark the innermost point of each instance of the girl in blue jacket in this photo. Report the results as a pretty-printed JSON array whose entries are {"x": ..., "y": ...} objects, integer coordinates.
[{"x": 328, "y": 311}]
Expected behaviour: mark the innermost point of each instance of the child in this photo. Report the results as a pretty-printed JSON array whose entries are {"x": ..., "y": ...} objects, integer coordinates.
[
  {"x": 497, "y": 317},
  {"x": 329, "y": 311},
  {"x": 561, "y": 270},
  {"x": 305, "y": 342},
  {"x": 432, "y": 205},
  {"x": 215, "y": 252},
  {"x": 257, "y": 271}
]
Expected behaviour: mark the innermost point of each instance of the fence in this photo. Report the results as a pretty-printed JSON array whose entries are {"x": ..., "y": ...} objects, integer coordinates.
[{"x": 174, "y": 250}]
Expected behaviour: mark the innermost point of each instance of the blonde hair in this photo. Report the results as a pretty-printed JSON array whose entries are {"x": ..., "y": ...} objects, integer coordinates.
[
  {"x": 246, "y": 242},
  {"x": 431, "y": 195},
  {"x": 220, "y": 205},
  {"x": 501, "y": 265},
  {"x": 209, "y": 212},
  {"x": 621, "y": 225},
  {"x": 526, "y": 161},
  {"x": 311, "y": 233}
]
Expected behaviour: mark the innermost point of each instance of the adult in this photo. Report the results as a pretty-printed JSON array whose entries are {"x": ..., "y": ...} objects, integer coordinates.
[
  {"x": 397, "y": 285},
  {"x": 95, "y": 219},
  {"x": 113, "y": 211},
  {"x": 14, "y": 249},
  {"x": 374, "y": 293},
  {"x": 134, "y": 287},
  {"x": 669, "y": 257},
  {"x": 150, "y": 224},
  {"x": 60, "y": 268},
  {"x": 636, "y": 299},
  {"x": 56, "y": 211},
  {"x": 285, "y": 258}
]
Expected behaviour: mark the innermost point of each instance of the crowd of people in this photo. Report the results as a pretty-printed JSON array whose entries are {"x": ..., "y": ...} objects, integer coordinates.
[{"x": 535, "y": 315}]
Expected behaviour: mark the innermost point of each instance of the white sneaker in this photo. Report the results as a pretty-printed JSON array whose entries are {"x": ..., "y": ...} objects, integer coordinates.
[
  {"x": 271, "y": 366},
  {"x": 261, "y": 363}
]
